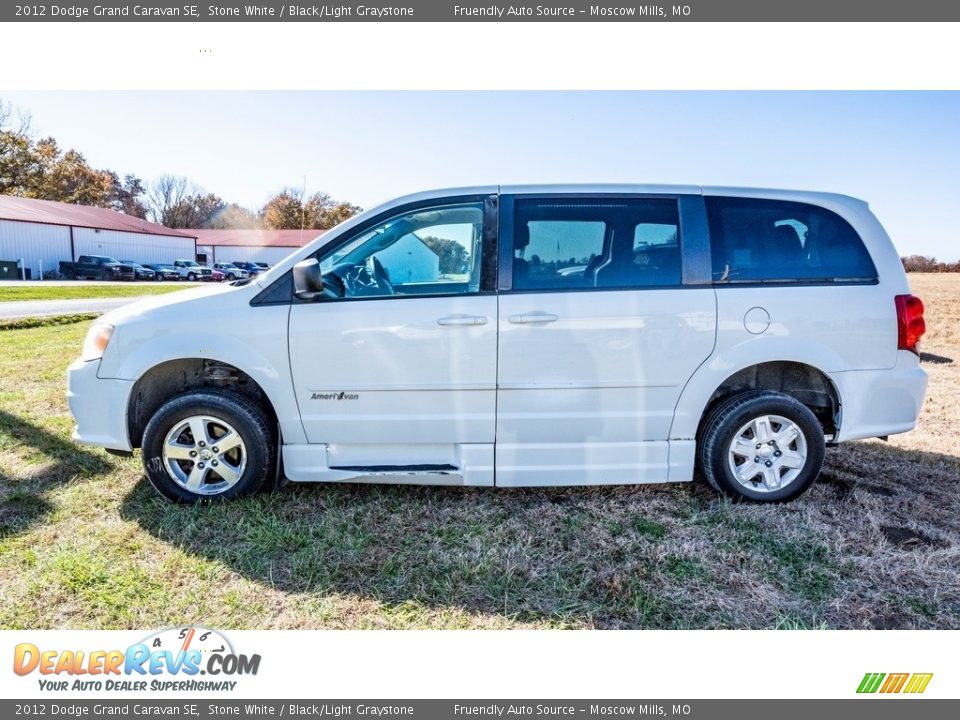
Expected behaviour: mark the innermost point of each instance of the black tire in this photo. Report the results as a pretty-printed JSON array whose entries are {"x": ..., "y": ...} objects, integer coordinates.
[
  {"x": 191, "y": 277},
  {"x": 245, "y": 416},
  {"x": 69, "y": 275},
  {"x": 231, "y": 277},
  {"x": 729, "y": 416}
]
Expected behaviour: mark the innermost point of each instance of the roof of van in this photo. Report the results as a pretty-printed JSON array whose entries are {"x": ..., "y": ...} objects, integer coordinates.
[{"x": 634, "y": 189}]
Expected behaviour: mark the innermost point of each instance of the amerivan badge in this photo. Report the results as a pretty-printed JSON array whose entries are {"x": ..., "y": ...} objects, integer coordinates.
[{"x": 335, "y": 396}]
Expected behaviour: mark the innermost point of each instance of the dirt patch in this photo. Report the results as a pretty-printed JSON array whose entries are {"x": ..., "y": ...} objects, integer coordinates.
[{"x": 907, "y": 539}]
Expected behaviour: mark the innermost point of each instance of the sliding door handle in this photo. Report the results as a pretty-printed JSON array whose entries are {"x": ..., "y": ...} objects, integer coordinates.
[
  {"x": 532, "y": 318},
  {"x": 462, "y": 320}
]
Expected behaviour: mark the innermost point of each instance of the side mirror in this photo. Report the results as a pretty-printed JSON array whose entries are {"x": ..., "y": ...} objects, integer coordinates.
[{"x": 307, "y": 279}]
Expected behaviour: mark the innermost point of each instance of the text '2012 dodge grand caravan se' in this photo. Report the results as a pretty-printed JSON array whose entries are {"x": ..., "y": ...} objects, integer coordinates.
[{"x": 518, "y": 336}]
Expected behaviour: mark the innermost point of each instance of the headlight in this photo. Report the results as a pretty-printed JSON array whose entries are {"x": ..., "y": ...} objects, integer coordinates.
[{"x": 98, "y": 337}]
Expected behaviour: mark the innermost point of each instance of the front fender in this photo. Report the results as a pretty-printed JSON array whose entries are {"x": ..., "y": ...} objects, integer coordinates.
[{"x": 257, "y": 346}]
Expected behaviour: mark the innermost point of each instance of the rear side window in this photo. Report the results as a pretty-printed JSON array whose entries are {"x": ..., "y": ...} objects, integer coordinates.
[
  {"x": 773, "y": 241},
  {"x": 604, "y": 243}
]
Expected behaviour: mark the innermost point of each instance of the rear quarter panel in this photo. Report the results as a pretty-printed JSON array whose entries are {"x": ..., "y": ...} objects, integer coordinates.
[{"x": 834, "y": 328}]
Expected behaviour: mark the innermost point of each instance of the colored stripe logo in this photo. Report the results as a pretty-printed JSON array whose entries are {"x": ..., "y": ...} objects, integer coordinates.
[{"x": 913, "y": 683}]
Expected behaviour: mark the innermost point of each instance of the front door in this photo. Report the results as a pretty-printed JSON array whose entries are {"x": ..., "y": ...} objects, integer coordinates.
[
  {"x": 599, "y": 330},
  {"x": 395, "y": 367}
]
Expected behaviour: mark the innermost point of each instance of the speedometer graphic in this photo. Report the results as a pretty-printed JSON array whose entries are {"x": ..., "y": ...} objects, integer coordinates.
[{"x": 192, "y": 637}]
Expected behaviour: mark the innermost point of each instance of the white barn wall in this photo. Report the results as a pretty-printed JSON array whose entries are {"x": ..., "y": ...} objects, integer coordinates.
[
  {"x": 37, "y": 244},
  {"x": 251, "y": 253},
  {"x": 138, "y": 247}
]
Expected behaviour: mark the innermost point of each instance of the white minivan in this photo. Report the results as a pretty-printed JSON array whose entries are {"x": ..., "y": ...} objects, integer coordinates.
[{"x": 524, "y": 336}]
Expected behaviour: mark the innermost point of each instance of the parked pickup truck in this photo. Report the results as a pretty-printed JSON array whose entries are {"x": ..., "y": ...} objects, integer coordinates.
[
  {"x": 192, "y": 270},
  {"x": 231, "y": 272},
  {"x": 96, "y": 267}
]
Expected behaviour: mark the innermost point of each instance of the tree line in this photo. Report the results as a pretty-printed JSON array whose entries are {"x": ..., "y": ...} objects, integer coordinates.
[
  {"x": 923, "y": 263},
  {"x": 39, "y": 168}
]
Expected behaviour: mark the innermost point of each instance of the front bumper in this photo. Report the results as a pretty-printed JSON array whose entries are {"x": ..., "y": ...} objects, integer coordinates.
[
  {"x": 99, "y": 406},
  {"x": 877, "y": 403}
]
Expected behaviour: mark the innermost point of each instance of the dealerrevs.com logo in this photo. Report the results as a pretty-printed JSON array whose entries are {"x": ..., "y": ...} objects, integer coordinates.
[{"x": 180, "y": 659}]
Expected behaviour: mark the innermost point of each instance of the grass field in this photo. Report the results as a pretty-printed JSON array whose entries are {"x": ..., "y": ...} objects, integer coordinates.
[
  {"x": 85, "y": 543},
  {"x": 42, "y": 291}
]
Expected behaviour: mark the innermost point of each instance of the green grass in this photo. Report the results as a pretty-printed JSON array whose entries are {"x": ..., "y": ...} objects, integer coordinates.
[
  {"x": 86, "y": 543},
  {"x": 41, "y": 291},
  {"x": 45, "y": 321}
]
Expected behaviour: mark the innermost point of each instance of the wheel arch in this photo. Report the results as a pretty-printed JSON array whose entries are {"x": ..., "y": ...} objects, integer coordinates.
[
  {"x": 171, "y": 378},
  {"x": 801, "y": 379}
]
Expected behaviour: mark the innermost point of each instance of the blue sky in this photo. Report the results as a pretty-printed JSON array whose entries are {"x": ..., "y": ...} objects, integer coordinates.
[{"x": 900, "y": 151}]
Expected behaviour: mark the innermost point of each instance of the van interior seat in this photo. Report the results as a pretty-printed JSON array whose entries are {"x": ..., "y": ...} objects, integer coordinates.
[{"x": 786, "y": 247}]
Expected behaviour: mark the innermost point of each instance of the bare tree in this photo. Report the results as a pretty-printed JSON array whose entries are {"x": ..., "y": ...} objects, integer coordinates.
[
  {"x": 175, "y": 202},
  {"x": 17, "y": 122}
]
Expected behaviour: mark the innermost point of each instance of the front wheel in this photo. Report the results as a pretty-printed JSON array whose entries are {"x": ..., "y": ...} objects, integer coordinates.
[
  {"x": 761, "y": 446},
  {"x": 208, "y": 444},
  {"x": 191, "y": 277}
]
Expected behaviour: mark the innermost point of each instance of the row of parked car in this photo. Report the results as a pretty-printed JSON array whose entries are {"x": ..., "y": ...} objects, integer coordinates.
[{"x": 103, "y": 267}]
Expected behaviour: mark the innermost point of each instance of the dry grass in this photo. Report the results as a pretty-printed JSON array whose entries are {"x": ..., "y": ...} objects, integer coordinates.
[{"x": 85, "y": 543}]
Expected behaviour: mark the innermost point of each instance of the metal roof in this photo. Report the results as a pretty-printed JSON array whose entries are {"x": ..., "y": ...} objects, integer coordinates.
[
  {"x": 57, "y": 213},
  {"x": 255, "y": 238}
]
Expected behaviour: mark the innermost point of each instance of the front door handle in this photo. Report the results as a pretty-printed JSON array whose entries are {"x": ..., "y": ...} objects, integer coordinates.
[
  {"x": 462, "y": 320},
  {"x": 533, "y": 317}
]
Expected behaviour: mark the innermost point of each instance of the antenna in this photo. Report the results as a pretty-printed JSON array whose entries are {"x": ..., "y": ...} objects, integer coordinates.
[{"x": 303, "y": 209}]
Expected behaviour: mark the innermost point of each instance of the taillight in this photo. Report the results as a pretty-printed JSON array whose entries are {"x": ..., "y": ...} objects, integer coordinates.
[{"x": 910, "y": 324}]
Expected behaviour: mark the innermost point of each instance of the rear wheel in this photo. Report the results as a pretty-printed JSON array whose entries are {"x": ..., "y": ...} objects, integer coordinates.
[
  {"x": 762, "y": 446},
  {"x": 208, "y": 444}
]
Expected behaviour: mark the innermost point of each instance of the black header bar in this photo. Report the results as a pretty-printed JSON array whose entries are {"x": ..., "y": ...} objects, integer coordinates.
[{"x": 477, "y": 11}]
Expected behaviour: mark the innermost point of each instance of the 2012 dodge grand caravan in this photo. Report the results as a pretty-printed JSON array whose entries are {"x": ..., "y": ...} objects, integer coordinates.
[{"x": 518, "y": 336}]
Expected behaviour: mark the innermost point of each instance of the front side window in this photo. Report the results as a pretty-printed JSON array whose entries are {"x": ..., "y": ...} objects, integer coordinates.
[
  {"x": 584, "y": 243},
  {"x": 776, "y": 241},
  {"x": 430, "y": 251}
]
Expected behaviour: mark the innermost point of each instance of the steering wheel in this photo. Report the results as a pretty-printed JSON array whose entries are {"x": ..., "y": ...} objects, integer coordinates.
[{"x": 381, "y": 275}]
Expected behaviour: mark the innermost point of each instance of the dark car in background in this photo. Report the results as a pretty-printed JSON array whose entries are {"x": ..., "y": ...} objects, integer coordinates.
[
  {"x": 140, "y": 272},
  {"x": 164, "y": 272},
  {"x": 251, "y": 268},
  {"x": 96, "y": 267}
]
